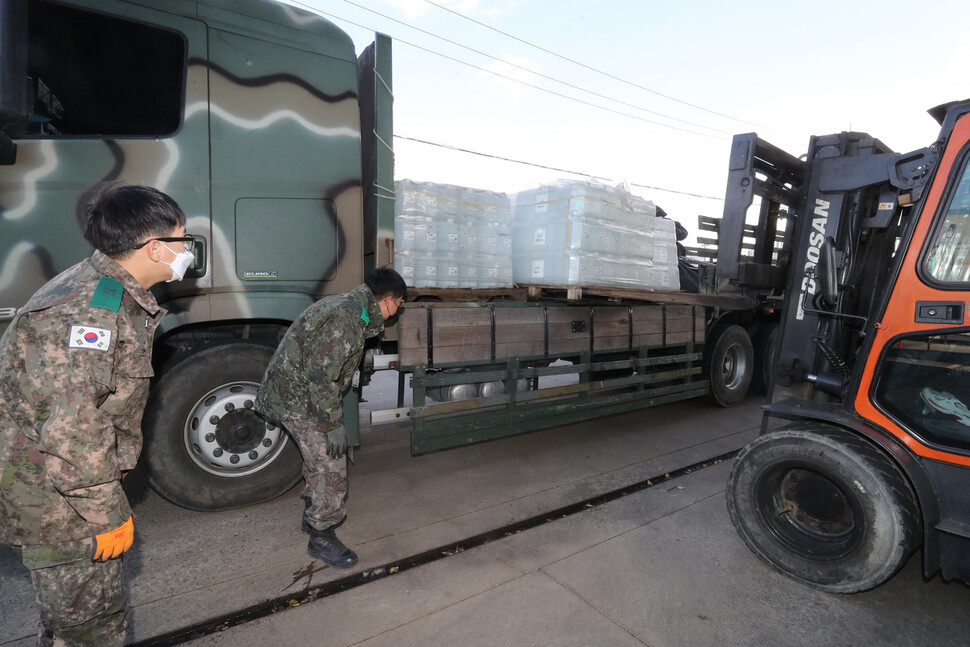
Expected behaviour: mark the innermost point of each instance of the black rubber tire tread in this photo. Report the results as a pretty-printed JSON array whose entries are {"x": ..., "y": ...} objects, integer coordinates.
[
  {"x": 890, "y": 533},
  {"x": 722, "y": 339},
  {"x": 171, "y": 472},
  {"x": 763, "y": 339}
]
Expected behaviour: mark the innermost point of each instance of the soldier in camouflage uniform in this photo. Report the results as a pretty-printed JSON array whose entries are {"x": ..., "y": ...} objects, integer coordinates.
[
  {"x": 303, "y": 388},
  {"x": 75, "y": 364}
]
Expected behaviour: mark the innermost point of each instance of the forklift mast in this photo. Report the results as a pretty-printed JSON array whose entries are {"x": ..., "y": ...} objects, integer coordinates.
[{"x": 827, "y": 231}]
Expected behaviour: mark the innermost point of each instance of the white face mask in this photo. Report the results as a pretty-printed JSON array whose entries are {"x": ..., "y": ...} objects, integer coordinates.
[{"x": 183, "y": 261}]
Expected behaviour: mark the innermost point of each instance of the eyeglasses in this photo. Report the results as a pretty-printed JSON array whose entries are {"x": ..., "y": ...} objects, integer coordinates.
[{"x": 188, "y": 240}]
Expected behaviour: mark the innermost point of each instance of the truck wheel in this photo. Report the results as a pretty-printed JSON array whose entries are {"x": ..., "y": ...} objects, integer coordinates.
[
  {"x": 823, "y": 507},
  {"x": 728, "y": 365},
  {"x": 205, "y": 448},
  {"x": 764, "y": 338}
]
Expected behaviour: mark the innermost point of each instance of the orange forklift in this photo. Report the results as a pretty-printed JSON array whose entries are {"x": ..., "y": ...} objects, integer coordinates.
[{"x": 864, "y": 454}]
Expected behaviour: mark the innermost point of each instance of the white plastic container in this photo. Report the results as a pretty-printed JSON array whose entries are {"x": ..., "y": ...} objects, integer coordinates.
[
  {"x": 449, "y": 236},
  {"x": 586, "y": 234}
]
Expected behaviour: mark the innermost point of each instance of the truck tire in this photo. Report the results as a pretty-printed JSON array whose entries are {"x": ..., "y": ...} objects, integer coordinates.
[
  {"x": 728, "y": 364},
  {"x": 205, "y": 448},
  {"x": 823, "y": 507},
  {"x": 764, "y": 337}
]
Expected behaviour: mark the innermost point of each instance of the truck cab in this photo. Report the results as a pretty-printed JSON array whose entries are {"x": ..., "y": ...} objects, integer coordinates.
[{"x": 248, "y": 113}]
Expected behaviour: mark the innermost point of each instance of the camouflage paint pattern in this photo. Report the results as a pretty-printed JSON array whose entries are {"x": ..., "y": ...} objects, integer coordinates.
[
  {"x": 71, "y": 420},
  {"x": 270, "y": 116}
]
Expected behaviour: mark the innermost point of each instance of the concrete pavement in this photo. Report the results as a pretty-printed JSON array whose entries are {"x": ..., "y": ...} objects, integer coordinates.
[{"x": 661, "y": 567}]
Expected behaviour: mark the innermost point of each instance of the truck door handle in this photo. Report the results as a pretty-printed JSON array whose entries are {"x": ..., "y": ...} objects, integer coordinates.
[{"x": 950, "y": 312}]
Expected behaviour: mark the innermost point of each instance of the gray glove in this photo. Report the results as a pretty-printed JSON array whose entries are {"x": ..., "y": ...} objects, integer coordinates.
[{"x": 336, "y": 442}]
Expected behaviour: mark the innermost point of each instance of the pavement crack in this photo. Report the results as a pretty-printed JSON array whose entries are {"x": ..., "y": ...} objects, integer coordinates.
[{"x": 595, "y": 608}]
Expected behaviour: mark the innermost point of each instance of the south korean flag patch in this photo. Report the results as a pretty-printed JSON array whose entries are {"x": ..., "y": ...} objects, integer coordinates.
[{"x": 89, "y": 337}]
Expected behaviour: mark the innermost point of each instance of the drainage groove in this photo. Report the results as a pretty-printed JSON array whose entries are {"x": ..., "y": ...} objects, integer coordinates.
[{"x": 333, "y": 587}]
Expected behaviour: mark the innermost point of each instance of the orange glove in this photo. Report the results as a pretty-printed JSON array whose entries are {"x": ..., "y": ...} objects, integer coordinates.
[{"x": 113, "y": 543}]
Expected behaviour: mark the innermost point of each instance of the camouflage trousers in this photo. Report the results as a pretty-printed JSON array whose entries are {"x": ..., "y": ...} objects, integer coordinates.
[
  {"x": 326, "y": 483},
  {"x": 81, "y": 601}
]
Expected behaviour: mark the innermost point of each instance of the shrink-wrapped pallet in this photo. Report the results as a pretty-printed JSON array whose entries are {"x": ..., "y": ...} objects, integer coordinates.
[
  {"x": 447, "y": 236},
  {"x": 574, "y": 233}
]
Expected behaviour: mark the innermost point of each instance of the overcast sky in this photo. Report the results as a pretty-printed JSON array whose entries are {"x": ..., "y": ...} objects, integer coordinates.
[{"x": 669, "y": 84}]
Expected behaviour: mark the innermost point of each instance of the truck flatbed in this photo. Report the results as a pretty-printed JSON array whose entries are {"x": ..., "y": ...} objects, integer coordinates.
[{"x": 595, "y": 295}]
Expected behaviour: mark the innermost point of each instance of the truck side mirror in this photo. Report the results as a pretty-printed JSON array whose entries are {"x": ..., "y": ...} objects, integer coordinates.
[{"x": 827, "y": 272}]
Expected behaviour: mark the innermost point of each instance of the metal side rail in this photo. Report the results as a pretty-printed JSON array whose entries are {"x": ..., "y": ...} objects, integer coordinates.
[{"x": 595, "y": 390}]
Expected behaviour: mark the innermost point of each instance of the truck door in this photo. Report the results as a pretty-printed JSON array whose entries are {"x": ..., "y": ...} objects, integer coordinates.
[
  {"x": 916, "y": 382},
  {"x": 114, "y": 92},
  {"x": 286, "y": 164}
]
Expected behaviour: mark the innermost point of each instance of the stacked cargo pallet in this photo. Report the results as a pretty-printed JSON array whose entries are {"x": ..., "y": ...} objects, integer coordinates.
[
  {"x": 448, "y": 236},
  {"x": 568, "y": 234},
  {"x": 587, "y": 234}
]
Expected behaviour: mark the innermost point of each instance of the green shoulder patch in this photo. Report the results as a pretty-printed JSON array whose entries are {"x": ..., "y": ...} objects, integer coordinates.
[
  {"x": 108, "y": 294},
  {"x": 364, "y": 316}
]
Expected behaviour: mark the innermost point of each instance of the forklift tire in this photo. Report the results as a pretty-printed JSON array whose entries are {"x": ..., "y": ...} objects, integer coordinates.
[
  {"x": 728, "y": 365},
  {"x": 205, "y": 448},
  {"x": 823, "y": 507}
]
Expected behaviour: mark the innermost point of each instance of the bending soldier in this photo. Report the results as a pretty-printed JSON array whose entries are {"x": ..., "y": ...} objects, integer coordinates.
[{"x": 302, "y": 390}]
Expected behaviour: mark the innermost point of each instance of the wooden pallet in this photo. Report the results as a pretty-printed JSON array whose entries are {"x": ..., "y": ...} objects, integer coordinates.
[
  {"x": 460, "y": 295},
  {"x": 641, "y": 295},
  {"x": 580, "y": 293}
]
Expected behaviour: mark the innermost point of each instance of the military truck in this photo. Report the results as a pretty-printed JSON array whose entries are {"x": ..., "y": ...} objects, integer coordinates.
[{"x": 276, "y": 139}]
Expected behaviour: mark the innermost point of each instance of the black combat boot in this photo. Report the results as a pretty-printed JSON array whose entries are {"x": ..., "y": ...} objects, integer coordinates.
[{"x": 325, "y": 546}]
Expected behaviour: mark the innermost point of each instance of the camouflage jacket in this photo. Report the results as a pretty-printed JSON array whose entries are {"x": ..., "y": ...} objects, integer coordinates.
[
  {"x": 316, "y": 360},
  {"x": 75, "y": 365}
]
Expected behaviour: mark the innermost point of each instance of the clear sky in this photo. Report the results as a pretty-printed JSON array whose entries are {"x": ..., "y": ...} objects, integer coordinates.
[{"x": 669, "y": 84}]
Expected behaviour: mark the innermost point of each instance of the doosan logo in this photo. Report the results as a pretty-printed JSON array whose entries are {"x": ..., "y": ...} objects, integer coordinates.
[{"x": 815, "y": 240}]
